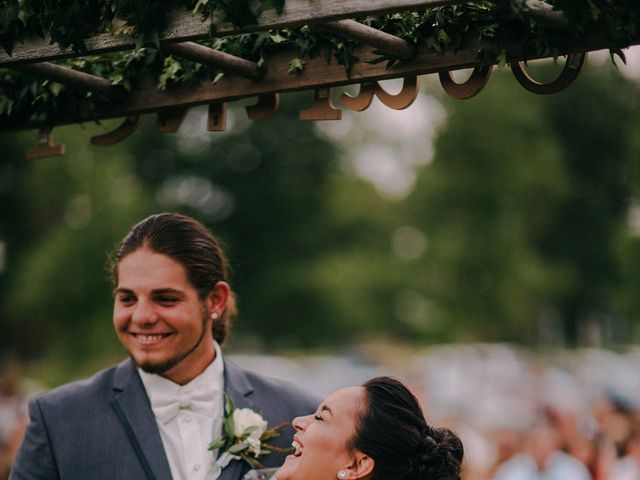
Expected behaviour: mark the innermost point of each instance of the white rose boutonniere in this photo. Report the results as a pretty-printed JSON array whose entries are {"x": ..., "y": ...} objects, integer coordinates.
[{"x": 245, "y": 436}]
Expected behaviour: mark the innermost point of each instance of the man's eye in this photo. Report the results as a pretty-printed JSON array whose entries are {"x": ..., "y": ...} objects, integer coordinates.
[
  {"x": 166, "y": 300},
  {"x": 318, "y": 418},
  {"x": 126, "y": 299}
]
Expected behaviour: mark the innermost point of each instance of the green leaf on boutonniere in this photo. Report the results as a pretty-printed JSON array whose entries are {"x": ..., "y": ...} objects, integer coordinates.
[
  {"x": 229, "y": 427},
  {"x": 235, "y": 449},
  {"x": 229, "y": 406},
  {"x": 216, "y": 444}
]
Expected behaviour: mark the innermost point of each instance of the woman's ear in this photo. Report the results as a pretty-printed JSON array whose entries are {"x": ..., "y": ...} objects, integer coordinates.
[{"x": 361, "y": 468}]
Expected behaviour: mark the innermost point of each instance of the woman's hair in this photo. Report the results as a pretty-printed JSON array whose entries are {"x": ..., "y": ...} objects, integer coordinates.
[
  {"x": 189, "y": 243},
  {"x": 392, "y": 430}
]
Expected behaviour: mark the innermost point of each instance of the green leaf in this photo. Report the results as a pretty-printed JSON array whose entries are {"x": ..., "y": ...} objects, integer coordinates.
[
  {"x": 229, "y": 426},
  {"x": 7, "y": 16},
  {"x": 295, "y": 66},
  {"x": 250, "y": 430},
  {"x": 238, "y": 447},
  {"x": 216, "y": 444},
  {"x": 229, "y": 405}
]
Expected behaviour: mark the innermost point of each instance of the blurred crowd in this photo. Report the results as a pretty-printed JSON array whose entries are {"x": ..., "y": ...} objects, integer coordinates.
[
  {"x": 558, "y": 416},
  {"x": 13, "y": 417},
  {"x": 565, "y": 415}
]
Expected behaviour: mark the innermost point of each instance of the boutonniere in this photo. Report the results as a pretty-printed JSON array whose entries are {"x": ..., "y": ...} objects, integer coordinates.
[{"x": 245, "y": 436}]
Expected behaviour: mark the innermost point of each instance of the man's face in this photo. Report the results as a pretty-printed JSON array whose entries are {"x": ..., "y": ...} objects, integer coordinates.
[{"x": 159, "y": 317}]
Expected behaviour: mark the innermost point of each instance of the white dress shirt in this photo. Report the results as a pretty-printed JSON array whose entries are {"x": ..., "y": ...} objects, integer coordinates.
[{"x": 189, "y": 418}]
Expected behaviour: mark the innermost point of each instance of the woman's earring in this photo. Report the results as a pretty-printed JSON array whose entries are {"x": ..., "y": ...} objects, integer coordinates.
[
  {"x": 214, "y": 316},
  {"x": 342, "y": 474}
]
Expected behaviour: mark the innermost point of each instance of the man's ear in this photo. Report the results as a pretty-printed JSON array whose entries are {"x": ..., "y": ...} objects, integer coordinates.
[
  {"x": 218, "y": 297},
  {"x": 360, "y": 468}
]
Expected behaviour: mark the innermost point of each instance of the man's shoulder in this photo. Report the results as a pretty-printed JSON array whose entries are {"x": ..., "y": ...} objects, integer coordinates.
[
  {"x": 285, "y": 391},
  {"x": 70, "y": 394}
]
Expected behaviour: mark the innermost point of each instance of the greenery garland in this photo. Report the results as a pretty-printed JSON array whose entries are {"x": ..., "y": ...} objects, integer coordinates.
[{"x": 70, "y": 22}]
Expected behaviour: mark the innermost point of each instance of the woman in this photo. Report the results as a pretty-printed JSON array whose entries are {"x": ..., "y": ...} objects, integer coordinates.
[{"x": 373, "y": 432}]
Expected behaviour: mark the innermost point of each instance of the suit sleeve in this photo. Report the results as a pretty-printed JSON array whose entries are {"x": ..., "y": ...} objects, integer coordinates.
[{"x": 35, "y": 458}]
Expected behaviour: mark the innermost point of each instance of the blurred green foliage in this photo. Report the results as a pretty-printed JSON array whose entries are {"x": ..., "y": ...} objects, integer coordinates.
[
  {"x": 524, "y": 205},
  {"x": 516, "y": 231}
]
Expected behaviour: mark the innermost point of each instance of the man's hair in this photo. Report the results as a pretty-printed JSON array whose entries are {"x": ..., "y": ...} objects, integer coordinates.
[{"x": 189, "y": 243}]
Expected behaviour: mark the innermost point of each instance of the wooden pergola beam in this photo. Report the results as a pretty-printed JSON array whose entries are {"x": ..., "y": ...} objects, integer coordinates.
[
  {"x": 316, "y": 74},
  {"x": 545, "y": 12},
  {"x": 70, "y": 77},
  {"x": 184, "y": 26},
  {"x": 370, "y": 36},
  {"x": 215, "y": 58}
]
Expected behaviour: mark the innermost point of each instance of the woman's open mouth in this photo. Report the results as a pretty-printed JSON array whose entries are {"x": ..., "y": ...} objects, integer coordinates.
[{"x": 298, "y": 448}]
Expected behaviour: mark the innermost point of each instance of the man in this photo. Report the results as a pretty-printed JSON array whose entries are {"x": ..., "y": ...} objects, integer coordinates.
[{"x": 154, "y": 415}]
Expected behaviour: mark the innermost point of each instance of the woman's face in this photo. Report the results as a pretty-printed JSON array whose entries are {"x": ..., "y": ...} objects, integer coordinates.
[{"x": 321, "y": 439}]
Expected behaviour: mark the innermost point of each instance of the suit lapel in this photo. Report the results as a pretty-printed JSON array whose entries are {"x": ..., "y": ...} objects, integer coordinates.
[
  {"x": 133, "y": 409},
  {"x": 236, "y": 385}
]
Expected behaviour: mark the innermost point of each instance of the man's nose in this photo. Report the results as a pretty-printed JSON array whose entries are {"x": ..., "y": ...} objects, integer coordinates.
[{"x": 144, "y": 313}]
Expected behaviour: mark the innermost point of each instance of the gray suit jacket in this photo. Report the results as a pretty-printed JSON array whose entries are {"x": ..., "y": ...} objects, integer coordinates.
[{"x": 103, "y": 428}]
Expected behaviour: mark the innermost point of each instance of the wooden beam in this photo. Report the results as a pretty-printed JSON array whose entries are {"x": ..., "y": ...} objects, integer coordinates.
[
  {"x": 370, "y": 36},
  {"x": 544, "y": 12},
  {"x": 316, "y": 74},
  {"x": 215, "y": 58},
  {"x": 70, "y": 77},
  {"x": 185, "y": 26}
]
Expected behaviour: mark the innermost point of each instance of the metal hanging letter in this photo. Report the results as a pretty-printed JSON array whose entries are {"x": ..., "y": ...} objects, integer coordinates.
[
  {"x": 45, "y": 147},
  {"x": 169, "y": 121},
  {"x": 125, "y": 129},
  {"x": 403, "y": 99},
  {"x": 463, "y": 91},
  {"x": 322, "y": 107},
  {"x": 217, "y": 119},
  {"x": 363, "y": 100},
  {"x": 572, "y": 68},
  {"x": 267, "y": 105}
]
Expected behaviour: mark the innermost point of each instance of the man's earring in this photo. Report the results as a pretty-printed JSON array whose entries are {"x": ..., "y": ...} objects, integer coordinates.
[
  {"x": 342, "y": 474},
  {"x": 214, "y": 316}
]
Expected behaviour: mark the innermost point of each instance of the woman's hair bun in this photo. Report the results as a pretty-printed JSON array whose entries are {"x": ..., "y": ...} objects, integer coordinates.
[
  {"x": 392, "y": 430},
  {"x": 430, "y": 447},
  {"x": 439, "y": 456}
]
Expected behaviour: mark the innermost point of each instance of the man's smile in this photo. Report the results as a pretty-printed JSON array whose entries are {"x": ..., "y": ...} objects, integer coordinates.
[{"x": 149, "y": 338}]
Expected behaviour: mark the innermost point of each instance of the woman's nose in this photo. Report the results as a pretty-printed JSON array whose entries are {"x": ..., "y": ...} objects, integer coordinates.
[{"x": 300, "y": 423}]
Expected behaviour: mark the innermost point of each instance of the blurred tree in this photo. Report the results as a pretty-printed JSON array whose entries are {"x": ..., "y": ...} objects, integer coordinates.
[
  {"x": 522, "y": 205},
  {"x": 66, "y": 213}
]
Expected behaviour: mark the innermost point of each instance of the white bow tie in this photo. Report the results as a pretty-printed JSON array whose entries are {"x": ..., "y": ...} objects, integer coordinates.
[{"x": 202, "y": 401}]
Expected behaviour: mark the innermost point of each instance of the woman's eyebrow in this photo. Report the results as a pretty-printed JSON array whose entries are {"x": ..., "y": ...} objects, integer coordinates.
[{"x": 326, "y": 409}]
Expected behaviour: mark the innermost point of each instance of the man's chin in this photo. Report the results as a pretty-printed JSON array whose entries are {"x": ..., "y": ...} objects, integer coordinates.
[{"x": 156, "y": 368}]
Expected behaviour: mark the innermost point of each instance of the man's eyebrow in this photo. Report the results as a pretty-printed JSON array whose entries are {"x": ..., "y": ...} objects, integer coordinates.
[
  {"x": 326, "y": 409},
  {"x": 170, "y": 291},
  {"x": 158, "y": 291}
]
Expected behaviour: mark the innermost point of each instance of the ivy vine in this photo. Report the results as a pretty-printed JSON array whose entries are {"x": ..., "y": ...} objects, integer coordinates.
[{"x": 69, "y": 23}]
